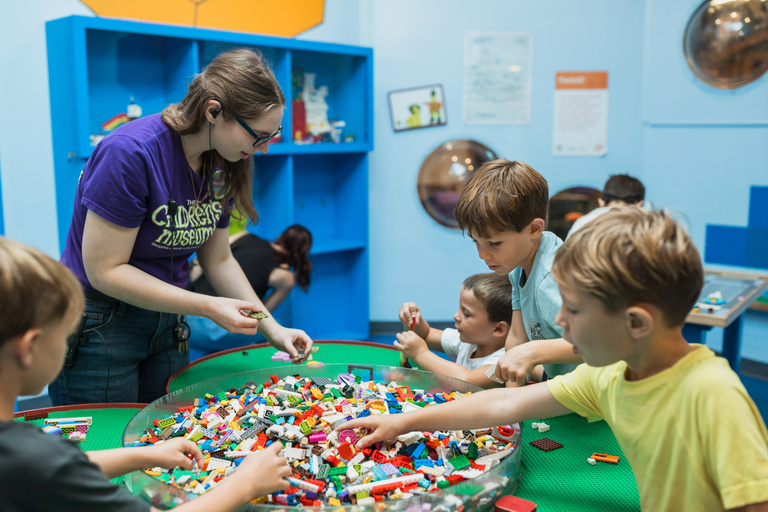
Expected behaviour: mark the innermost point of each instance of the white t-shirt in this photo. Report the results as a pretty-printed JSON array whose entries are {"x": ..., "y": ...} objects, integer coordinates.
[
  {"x": 589, "y": 217},
  {"x": 461, "y": 352}
]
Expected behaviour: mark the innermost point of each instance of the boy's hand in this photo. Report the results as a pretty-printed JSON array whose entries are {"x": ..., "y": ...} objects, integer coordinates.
[
  {"x": 265, "y": 471},
  {"x": 380, "y": 427},
  {"x": 176, "y": 452},
  {"x": 409, "y": 312},
  {"x": 410, "y": 344},
  {"x": 410, "y": 316},
  {"x": 515, "y": 365}
]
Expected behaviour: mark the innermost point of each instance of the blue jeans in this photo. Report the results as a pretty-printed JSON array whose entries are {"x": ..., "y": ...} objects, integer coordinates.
[
  {"x": 125, "y": 354},
  {"x": 207, "y": 338}
]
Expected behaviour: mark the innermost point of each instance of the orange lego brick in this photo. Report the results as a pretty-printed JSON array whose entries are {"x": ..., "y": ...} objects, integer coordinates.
[{"x": 604, "y": 457}]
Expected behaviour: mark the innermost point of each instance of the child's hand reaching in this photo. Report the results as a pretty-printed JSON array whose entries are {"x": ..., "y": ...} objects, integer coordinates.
[
  {"x": 380, "y": 427},
  {"x": 264, "y": 471},
  {"x": 515, "y": 365},
  {"x": 411, "y": 344},
  {"x": 176, "y": 452}
]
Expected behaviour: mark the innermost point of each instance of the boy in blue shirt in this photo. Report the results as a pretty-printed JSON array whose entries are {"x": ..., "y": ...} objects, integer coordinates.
[
  {"x": 688, "y": 428},
  {"x": 43, "y": 303},
  {"x": 503, "y": 209}
]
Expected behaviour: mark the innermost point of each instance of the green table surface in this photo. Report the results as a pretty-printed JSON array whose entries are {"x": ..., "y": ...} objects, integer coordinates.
[
  {"x": 260, "y": 356},
  {"x": 106, "y": 431},
  {"x": 563, "y": 480}
]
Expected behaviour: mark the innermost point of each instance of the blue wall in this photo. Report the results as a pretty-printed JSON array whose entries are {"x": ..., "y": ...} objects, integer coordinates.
[
  {"x": 417, "y": 43},
  {"x": 697, "y": 149}
]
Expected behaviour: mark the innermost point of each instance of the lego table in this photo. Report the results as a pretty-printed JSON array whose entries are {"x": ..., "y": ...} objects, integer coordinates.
[
  {"x": 106, "y": 431},
  {"x": 739, "y": 291},
  {"x": 260, "y": 356},
  {"x": 558, "y": 480}
]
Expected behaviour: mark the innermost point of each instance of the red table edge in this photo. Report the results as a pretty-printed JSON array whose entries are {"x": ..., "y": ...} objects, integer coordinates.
[
  {"x": 64, "y": 408},
  {"x": 264, "y": 345}
]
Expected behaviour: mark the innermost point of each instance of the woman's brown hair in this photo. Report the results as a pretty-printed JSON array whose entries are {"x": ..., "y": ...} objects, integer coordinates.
[{"x": 247, "y": 89}]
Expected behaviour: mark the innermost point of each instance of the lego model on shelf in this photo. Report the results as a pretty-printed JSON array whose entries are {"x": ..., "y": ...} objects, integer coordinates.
[
  {"x": 104, "y": 72},
  {"x": 230, "y": 416}
]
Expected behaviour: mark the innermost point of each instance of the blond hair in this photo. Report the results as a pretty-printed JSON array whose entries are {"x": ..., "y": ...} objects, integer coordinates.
[
  {"x": 628, "y": 256},
  {"x": 502, "y": 196},
  {"x": 494, "y": 292},
  {"x": 242, "y": 81},
  {"x": 37, "y": 290}
]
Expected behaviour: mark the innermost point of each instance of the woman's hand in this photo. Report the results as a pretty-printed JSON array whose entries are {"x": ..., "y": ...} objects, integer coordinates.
[
  {"x": 226, "y": 313},
  {"x": 293, "y": 341}
]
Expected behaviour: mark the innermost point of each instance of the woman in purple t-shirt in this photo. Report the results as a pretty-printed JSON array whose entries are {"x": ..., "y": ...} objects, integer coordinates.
[{"x": 155, "y": 191}]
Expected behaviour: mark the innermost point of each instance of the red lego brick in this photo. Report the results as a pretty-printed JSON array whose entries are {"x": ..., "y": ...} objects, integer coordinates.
[{"x": 514, "y": 504}]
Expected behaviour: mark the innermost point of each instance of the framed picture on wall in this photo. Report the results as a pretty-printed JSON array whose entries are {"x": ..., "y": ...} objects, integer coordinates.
[{"x": 419, "y": 107}]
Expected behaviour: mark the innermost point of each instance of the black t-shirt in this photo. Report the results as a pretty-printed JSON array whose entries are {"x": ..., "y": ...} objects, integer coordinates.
[
  {"x": 257, "y": 259},
  {"x": 45, "y": 472}
]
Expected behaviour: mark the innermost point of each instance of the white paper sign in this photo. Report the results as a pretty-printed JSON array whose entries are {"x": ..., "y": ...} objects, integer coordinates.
[
  {"x": 581, "y": 114},
  {"x": 497, "y": 77}
]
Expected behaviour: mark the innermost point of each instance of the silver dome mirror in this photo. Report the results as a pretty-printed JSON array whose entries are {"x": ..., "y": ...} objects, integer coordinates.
[{"x": 726, "y": 42}]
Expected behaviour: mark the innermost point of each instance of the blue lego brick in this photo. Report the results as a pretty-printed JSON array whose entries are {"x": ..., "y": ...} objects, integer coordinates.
[
  {"x": 726, "y": 245},
  {"x": 758, "y": 207}
]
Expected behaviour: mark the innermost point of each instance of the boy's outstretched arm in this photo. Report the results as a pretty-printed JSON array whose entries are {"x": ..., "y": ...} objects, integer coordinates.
[
  {"x": 417, "y": 351},
  {"x": 262, "y": 472},
  {"x": 479, "y": 410},
  {"x": 171, "y": 453}
]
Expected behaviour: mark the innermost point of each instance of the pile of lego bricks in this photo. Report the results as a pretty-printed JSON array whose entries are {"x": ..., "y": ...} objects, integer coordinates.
[{"x": 302, "y": 413}]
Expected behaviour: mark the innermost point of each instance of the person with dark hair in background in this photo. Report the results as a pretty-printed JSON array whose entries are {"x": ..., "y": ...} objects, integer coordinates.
[
  {"x": 619, "y": 191},
  {"x": 272, "y": 269}
]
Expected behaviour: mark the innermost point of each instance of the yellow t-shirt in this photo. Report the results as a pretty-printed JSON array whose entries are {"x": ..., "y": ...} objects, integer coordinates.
[{"x": 692, "y": 435}]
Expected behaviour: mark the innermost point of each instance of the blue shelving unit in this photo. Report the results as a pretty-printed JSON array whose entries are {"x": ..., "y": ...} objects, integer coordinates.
[{"x": 96, "y": 65}]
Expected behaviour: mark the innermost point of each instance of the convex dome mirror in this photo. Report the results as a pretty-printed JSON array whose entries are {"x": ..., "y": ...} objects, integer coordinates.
[
  {"x": 726, "y": 42},
  {"x": 444, "y": 174}
]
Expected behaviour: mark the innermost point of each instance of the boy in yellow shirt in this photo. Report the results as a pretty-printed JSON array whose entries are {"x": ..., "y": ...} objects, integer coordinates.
[
  {"x": 42, "y": 305},
  {"x": 694, "y": 438}
]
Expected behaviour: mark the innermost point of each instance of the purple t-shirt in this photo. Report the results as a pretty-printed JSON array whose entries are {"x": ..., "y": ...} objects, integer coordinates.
[{"x": 129, "y": 179}]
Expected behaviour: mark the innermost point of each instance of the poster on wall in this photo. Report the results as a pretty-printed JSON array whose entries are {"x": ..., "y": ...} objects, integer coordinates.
[
  {"x": 418, "y": 107},
  {"x": 497, "y": 77},
  {"x": 581, "y": 113}
]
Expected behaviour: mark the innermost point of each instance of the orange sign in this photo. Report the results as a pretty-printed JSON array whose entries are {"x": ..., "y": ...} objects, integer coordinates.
[
  {"x": 275, "y": 17},
  {"x": 581, "y": 80}
]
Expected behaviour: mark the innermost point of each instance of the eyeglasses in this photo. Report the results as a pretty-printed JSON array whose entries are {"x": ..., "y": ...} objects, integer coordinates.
[{"x": 259, "y": 138}]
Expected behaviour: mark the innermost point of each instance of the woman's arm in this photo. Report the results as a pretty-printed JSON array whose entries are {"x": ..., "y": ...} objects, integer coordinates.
[
  {"x": 107, "y": 249},
  {"x": 229, "y": 280}
]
